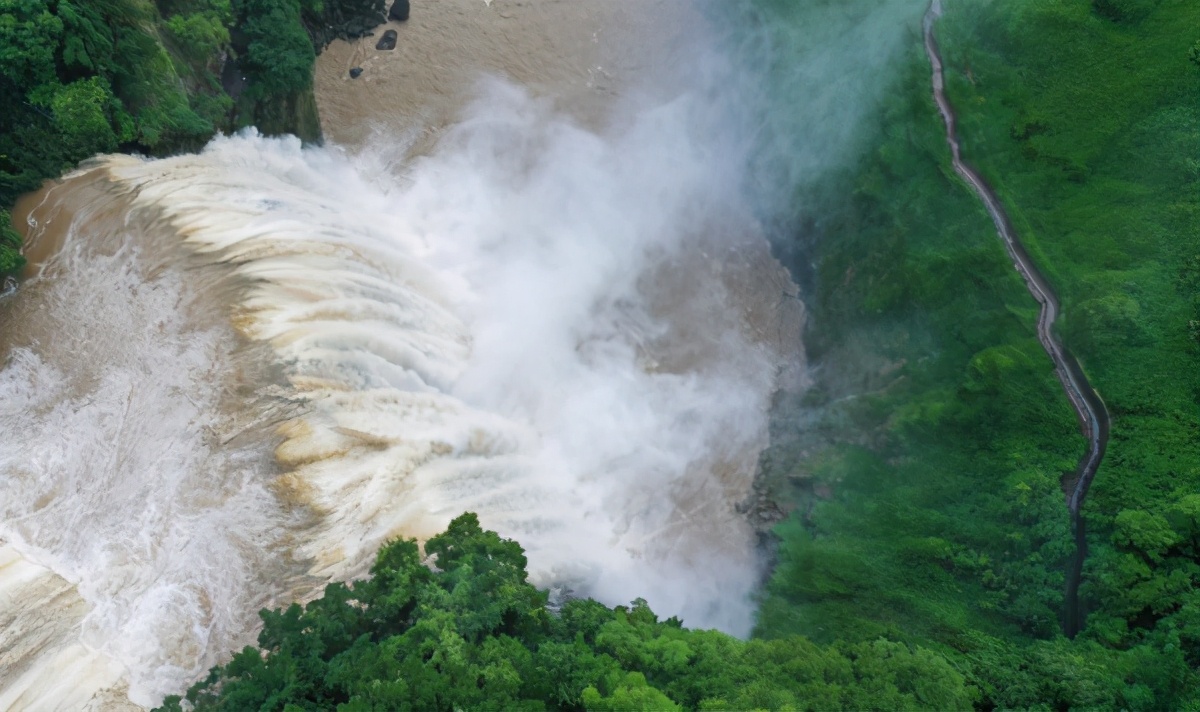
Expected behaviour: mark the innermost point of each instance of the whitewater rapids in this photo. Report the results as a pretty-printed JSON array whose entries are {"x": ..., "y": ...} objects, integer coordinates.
[{"x": 235, "y": 374}]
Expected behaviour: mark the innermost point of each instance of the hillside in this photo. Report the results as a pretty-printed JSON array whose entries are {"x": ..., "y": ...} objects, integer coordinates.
[
  {"x": 928, "y": 501},
  {"x": 154, "y": 78}
]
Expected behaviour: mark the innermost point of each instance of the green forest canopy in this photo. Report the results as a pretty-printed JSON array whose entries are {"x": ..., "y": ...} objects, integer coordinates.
[
  {"x": 923, "y": 566},
  {"x": 82, "y": 77},
  {"x": 470, "y": 632},
  {"x": 928, "y": 497}
]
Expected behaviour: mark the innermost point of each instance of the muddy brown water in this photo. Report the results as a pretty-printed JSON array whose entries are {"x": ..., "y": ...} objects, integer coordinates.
[{"x": 152, "y": 509}]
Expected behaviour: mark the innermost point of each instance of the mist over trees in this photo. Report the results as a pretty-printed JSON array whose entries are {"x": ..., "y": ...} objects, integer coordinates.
[
  {"x": 929, "y": 496},
  {"x": 464, "y": 629},
  {"x": 922, "y": 563}
]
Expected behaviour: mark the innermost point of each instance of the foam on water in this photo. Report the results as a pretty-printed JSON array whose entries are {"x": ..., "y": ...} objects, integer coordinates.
[
  {"x": 482, "y": 336},
  {"x": 573, "y": 334},
  {"x": 43, "y": 662},
  {"x": 115, "y": 474}
]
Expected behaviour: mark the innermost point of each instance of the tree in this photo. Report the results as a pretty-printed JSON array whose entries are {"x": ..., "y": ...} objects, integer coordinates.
[
  {"x": 279, "y": 56},
  {"x": 11, "y": 259},
  {"x": 83, "y": 113},
  {"x": 29, "y": 34},
  {"x": 472, "y": 633},
  {"x": 201, "y": 35}
]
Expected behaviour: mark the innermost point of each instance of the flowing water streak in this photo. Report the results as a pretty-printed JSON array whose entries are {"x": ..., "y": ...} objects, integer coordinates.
[
  {"x": 141, "y": 535},
  {"x": 72, "y": 672},
  {"x": 484, "y": 339},
  {"x": 574, "y": 334}
]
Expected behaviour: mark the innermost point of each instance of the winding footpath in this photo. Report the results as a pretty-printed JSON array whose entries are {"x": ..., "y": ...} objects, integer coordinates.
[{"x": 1089, "y": 408}]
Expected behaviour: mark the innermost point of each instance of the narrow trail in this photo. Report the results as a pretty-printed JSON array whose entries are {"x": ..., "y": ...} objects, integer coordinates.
[{"x": 1089, "y": 407}]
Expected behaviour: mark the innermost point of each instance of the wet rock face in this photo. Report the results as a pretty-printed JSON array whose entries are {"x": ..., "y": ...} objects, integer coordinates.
[
  {"x": 388, "y": 41},
  {"x": 345, "y": 19},
  {"x": 399, "y": 11}
]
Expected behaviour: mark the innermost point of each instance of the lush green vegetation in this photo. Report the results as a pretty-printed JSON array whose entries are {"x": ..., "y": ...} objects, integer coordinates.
[
  {"x": 923, "y": 563},
  {"x": 1100, "y": 165},
  {"x": 10, "y": 245},
  {"x": 469, "y": 632},
  {"x": 81, "y": 78},
  {"x": 927, "y": 504}
]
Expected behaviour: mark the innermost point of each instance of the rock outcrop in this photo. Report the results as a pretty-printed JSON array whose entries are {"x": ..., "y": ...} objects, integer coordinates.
[{"x": 344, "y": 19}]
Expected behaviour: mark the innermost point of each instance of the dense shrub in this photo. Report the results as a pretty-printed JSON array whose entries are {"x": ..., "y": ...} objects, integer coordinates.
[
  {"x": 10, "y": 242},
  {"x": 1127, "y": 11},
  {"x": 465, "y": 630},
  {"x": 928, "y": 496}
]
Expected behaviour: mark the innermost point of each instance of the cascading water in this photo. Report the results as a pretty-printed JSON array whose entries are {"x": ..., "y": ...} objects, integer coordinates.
[
  {"x": 243, "y": 370},
  {"x": 235, "y": 374},
  {"x": 133, "y": 485}
]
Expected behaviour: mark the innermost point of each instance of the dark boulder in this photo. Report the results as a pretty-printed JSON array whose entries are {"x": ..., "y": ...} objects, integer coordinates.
[
  {"x": 354, "y": 73},
  {"x": 388, "y": 41},
  {"x": 399, "y": 11}
]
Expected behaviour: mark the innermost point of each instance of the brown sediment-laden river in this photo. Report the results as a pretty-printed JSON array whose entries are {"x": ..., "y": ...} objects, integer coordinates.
[{"x": 518, "y": 280}]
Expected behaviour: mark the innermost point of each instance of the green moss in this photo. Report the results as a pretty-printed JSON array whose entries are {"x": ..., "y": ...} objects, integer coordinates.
[{"x": 289, "y": 113}]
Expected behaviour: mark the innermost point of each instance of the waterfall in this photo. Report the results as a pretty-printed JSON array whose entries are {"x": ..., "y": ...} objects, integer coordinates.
[{"x": 243, "y": 370}]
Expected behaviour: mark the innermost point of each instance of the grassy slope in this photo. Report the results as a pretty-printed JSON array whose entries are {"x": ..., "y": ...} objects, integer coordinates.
[
  {"x": 1091, "y": 129},
  {"x": 934, "y": 510},
  {"x": 914, "y": 286}
]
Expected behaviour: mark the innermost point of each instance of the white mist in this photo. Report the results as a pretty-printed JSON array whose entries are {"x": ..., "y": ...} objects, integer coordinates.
[{"x": 248, "y": 368}]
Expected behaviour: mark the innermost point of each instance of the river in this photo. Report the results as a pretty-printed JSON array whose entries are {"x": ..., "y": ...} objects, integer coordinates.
[{"x": 518, "y": 280}]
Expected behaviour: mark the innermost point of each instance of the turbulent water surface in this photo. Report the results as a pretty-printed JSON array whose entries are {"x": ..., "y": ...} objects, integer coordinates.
[{"x": 536, "y": 296}]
